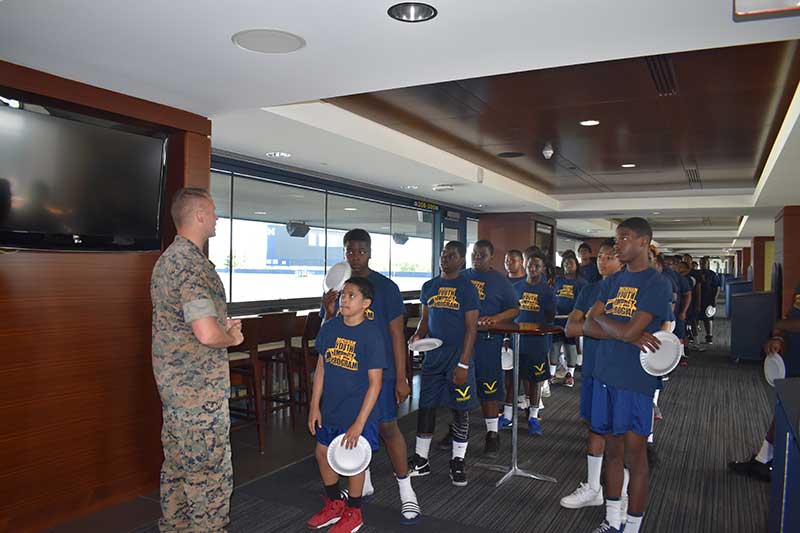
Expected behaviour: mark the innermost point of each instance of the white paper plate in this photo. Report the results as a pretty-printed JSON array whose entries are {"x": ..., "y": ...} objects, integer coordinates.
[
  {"x": 337, "y": 275},
  {"x": 425, "y": 345},
  {"x": 667, "y": 357},
  {"x": 774, "y": 368},
  {"x": 671, "y": 328},
  {"x": 507, "y": 358},
  {"x": 711, "y": 311},
  {"x": 349, "y": 462}
]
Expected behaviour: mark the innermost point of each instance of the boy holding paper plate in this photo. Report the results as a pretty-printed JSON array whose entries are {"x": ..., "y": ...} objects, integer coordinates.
[{"x": 347, "y": 383}]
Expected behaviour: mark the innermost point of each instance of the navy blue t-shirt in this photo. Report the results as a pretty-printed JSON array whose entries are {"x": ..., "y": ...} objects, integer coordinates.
[
  {"x": 348, "y": 352},
  {"x": 516, "y": 281},
  {"x": 448, "y": 300},
  {"x": 791, "y": 357},
  {"x": 589, "y": 273},
  {"x": 673, "y": 291},
  {"x": 709, "y": 282},
  {"x": 623, "y": 294},
  {"x": 495, "y": 292},
  {"x": 584, "y": 302},
  {"x": 566, "y": 291},
  {"x": 537, "y": 305},
  {"x": 386, "y": 306}
]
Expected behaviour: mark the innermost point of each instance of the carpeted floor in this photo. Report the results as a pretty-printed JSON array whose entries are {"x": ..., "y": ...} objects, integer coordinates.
[{"x": 714, "y": 411}]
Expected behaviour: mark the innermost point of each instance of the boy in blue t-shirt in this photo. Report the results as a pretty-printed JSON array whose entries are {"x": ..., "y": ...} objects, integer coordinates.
[
  {"x": 567, "y": 288},
  {"x": 514, "y": 263},
  {"x": 536, "y": 306},
  {"x": 631, "y": 306},
  {"x": 590, "y": 493},
  {"x": 498, "y": 303},
  {"x": 588, "y": 270},
  {"x": 347, "y": 382},
  {"x": 450, "y": 308}
]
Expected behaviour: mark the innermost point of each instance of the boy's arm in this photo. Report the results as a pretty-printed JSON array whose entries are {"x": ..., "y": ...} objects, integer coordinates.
[
  {"x": 350, "y": 438},
  {"x": 400, "y": 351},
  {"x": 574, "y": 327},
  {"x": 590, "y": 326},
  {"x": 422, "y": 327},
  {"x": 460, "y": 374},
  {"x": 314, "y": 416}
]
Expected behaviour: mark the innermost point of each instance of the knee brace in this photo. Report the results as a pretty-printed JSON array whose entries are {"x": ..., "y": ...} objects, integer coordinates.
[
  {"x": 459, "y": 427},
  {"x": 426, "y": 420}
]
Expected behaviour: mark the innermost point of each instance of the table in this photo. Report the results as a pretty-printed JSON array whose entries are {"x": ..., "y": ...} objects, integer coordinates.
[{"x": 516, "y": 331}]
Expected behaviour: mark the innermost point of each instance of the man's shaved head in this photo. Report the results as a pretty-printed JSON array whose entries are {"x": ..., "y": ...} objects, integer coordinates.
[{"x": 186, "y": 202}]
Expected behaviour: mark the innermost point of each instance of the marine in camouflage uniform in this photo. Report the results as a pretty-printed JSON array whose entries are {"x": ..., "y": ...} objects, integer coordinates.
[{"x": 194, "y": 384}]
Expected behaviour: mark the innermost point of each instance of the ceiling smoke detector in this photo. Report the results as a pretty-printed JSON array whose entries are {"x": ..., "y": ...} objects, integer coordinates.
[
  {"x": 266, "y": 41},
  {"x": 548, "y": 151}
]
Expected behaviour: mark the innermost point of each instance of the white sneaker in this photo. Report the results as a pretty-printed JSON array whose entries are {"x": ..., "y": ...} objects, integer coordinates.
[
  {"x": 546, "y": 389},
  {"x": 583, "y": 496},
  {"x": 523, "y": 402},
  {"x": 541, "y": 404}
]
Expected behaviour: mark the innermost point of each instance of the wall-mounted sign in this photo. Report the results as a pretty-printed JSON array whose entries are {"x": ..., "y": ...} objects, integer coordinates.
[{"x": 426, "y": 205}]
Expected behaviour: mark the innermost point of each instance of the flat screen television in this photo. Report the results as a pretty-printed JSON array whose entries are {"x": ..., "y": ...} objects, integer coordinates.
[{"x": 67, "y": 184}]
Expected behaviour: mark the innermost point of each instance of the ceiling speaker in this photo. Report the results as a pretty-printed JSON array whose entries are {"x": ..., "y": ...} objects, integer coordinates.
[
  {"x": 297, "y": 229},
  {"x": 400, "y": 238}
]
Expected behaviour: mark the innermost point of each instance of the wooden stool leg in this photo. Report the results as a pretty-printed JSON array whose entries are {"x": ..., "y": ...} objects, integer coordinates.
[
  {"x": 290, "y": 379},
  {"x": 261, "y": 420}
]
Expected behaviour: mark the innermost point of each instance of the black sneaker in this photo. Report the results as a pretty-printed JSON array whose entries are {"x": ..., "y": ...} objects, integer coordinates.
[
  {"x": 446, "y": 443},
  {"x": 457, "y": 474},
  {"x": 418, "y": 466},
  {"x": 753, "y": 468},
  {"x": 709, "y": 339},
  {"x": 491, "y": 445}
]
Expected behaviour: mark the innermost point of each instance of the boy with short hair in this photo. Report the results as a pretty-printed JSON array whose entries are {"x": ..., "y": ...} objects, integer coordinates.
[
  {"x": 347, "y": 382},
  {"x": 588, "y": 270},
  {"x": 567, "y": 288}
]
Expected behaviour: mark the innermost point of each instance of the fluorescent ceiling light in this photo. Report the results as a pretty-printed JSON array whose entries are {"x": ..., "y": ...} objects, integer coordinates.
[
  {"x": 351, "y": 209},
  {"x": 259, "y": 212},
  {"x": 589, "y": 123},
  {"x": 628, "y": 165}
]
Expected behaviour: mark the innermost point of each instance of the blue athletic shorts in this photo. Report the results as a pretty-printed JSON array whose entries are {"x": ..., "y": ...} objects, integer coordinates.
[
  {"x": 387, "y": 402},
  {"x": 489, "y": 368},
  {"x": 438, "y": 389},
  {"x": 618, "y": 411},
  {"x": 586, "y": 398},
  {"x": 535, "y": 366},
  {"x": 680, "y": 329},
  {"x": 326, "y": 434}
]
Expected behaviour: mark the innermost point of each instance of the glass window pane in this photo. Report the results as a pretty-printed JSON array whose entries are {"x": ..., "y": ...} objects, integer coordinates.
[
  {"x": 412, "y": 247},
  {"x": 219, "y": 246},
  {"x": 346, "y": 213},
  {"x": 268, "y": 262},
  {"x": 472, "y": 236}
]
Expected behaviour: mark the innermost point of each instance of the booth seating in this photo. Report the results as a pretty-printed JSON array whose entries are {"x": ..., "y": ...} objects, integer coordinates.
[
  {"x": 735, "y": 287},
  {"x": 751, "y": 318},
  {"x": 784, "y": 505}
]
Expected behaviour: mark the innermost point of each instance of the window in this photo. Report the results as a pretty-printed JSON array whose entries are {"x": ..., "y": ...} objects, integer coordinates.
[
  {"x": 411, "y": 247},
  {"x": 472, "y": 237},
  {"x": 346, "y": 213},
  {"x": 219, "y": 246}
]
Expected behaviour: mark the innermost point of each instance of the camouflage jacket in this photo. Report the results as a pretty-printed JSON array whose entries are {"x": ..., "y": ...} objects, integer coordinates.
[{"x": 185, "y": 287}]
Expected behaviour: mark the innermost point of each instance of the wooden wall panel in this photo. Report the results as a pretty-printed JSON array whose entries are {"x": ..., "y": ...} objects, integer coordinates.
[
  {"x": 787, "y": 253},
  {"x": 509, "y": 231},
  {"x": 757, "y": 260},
  {"x": 80, "y": 416}
]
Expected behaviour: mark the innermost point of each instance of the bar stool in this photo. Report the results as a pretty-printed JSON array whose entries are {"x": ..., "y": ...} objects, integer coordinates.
[
  {"x": 274, "y": 341},
  {"x": 244, "y": 362},
  {"x": 304, "y": 353}
]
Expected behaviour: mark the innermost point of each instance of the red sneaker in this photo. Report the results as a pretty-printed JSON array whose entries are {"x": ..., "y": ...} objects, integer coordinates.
[
  {"x": 350, "y": 523},
  {"x": 330, "y": 514},
  {"x": 569, "y": 381}
]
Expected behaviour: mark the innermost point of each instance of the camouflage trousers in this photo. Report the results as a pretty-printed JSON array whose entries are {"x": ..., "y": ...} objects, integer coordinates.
[{"x": 196, "y": 476}]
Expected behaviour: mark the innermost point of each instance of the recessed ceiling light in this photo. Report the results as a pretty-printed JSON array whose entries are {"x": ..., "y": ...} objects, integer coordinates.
[
  {"x": 351, "y": 209},
  {"x": 412, "y": 12},
  {"x": 656, "y": 212},
  {"x": 589, "y": 123},
  {"x": 410, "y": 187},
  {"x": 480, "y": 206},
  {"x": 677, "y": 220},
  {"x": 442, "y": 187},
  {"x": 267, "y": 41},
  {"x": 628, "y": 165},
  {"x": 510, "y": 155},
  {"x": 259, "y": 212},
  {"x": 384, "y": 227},
  {"x": 279, "y": 155}
]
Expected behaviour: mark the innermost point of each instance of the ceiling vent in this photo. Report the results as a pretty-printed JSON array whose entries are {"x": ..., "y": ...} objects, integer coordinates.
[
  {"x": 694, "y": 178},
  {"x": 663, "y": 74}
]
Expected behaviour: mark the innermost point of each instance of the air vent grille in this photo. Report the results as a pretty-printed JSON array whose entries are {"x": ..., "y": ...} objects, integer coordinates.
[
  {"x": 663, "y": 74},
  {"x": 694, "y": 178}
]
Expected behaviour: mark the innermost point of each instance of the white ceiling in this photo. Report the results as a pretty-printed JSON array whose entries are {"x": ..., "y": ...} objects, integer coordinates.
[{"x": 180, "y": 53}]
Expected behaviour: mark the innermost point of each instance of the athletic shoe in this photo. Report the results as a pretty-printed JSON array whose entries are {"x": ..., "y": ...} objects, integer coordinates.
[
  {"x": 350, "y": 522},
  {"x": 365, "y": 496},
  {"x": 605, "y": 527},
  {"x": 657, "y": 412},
  {"x": 330, "y": 514},
  {"x": 584, "y": 496},
  {"x": 446, "y": 443},
  {"x": 555, "y": 380},
  {"x": 523, "y": 402},
  {"x": 491, "y": 446},
  {"x": 504, "y": 423},
  {"x": 753, "y": 468},
  {"x": 410, "y": 513},
  {"x": 684, "y": 361},
  {"x": 534, "y": 428},
  {"x": 709, "y": 339},
  {"x": 457, "y": 474},
  {"x": 546, "y": 389},
  {"x": 569, "y": 381},
  {"x": 418, "y": 466},
  {"x": 541, "y": 404}
]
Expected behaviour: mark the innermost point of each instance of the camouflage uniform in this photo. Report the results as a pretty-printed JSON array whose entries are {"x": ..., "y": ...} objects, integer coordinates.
[{"x": 194, "y": 384}]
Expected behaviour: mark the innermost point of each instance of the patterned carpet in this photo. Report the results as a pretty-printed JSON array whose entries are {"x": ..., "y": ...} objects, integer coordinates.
[{"x": 714, "y": 411}]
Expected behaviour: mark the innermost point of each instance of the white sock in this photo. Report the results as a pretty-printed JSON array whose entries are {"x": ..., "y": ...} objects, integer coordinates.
[
  {"x": 407, "y": 493},
  {"x": 368, "y": 488},
  {"x": 508, "y": 411},
  {"x": 612, "y": 513},
  {"x": 491, "y": 424},
  {"x": 650, "y": 439},
  {"x": 595, "y": 465},
  {"x": 766, "y": 452},
  {"x": 553, "y": 370},
  {"x": 633, "y": 523},
  {"x": 423, "y": 446},
  {"x": 571, "y": 371},
  {"x": 541, "y": 404},
  {"x": 459, "y": 449},
  {"x": 626, "y": 476},
  {"x": 655, "y": 397},
  {"x": 533, "y": 412}
]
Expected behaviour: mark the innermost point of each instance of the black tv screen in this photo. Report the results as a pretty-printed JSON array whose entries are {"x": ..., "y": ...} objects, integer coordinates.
[{"x": 74, "y": 185}]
